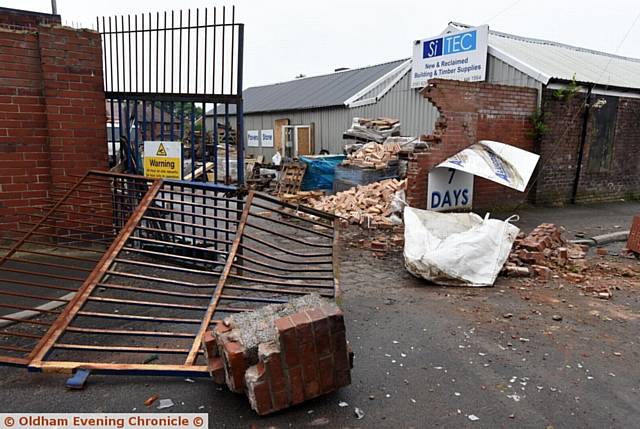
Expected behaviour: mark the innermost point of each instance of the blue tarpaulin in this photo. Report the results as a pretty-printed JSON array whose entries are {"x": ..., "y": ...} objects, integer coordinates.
[{"x": 320, "y": 171}]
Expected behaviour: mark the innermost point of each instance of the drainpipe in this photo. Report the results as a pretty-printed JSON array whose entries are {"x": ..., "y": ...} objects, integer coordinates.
[{"x": 583, "y": 138}]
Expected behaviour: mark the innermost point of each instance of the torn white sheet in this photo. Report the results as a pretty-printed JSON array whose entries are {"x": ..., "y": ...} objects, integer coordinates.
[{"x": 498, "y": 162}]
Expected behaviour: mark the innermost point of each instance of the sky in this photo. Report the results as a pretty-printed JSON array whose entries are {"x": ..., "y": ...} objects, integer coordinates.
[{"x": 286, "y": 38}]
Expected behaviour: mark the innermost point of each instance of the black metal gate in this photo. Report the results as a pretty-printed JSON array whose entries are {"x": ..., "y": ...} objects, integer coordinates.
[{"x": 176, "y": 76}]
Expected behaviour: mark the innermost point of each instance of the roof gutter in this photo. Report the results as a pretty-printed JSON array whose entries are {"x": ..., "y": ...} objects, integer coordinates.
[
  {"x": 595, "y": 90},
  {"x": 399, "y": 70}
]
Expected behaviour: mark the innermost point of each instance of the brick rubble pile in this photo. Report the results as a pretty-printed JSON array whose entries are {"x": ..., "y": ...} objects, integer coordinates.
[
  {"x": 543, "y": 251},
  {"x": 373, "y": 155},
  {"x": 369, "y": 205}
]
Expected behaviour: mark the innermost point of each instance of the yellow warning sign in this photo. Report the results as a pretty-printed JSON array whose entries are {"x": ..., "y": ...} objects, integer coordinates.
[
  {"x": 163, "y": 159},
  {"x": 161, "y": 151}
]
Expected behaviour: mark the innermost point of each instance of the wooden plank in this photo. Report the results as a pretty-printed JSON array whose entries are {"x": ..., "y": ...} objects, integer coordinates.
[
  {"x": 198, "y": 172},
  {"x": 304, "y": 141}
]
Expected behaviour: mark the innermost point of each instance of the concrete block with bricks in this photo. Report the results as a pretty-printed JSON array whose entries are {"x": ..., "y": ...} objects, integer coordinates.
[{"x": 281, "y": 355}]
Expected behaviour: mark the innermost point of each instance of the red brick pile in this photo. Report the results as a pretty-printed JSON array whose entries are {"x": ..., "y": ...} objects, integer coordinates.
[
  {"x": 367, "y": 205},
  {"x": 300, "y": 355},
  {"x": 541, "y": 251}
]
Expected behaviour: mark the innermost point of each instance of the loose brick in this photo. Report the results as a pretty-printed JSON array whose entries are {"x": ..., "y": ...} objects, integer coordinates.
[{"x": 542, "y": 273}]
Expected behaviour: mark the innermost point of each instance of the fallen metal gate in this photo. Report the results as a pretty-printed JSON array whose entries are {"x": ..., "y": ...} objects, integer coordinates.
[
  {"x": 176, "y": 76},
  {"x": 174, "y": 258}
]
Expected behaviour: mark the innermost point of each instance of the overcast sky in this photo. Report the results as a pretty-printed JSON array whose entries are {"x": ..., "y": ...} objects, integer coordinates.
[{"x": 285, "y": 38}]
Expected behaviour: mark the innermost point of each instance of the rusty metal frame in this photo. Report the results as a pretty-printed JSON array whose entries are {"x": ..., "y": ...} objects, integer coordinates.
[
  {"x": 202, "y": 253},
  {"x": 76, "y": 222}
]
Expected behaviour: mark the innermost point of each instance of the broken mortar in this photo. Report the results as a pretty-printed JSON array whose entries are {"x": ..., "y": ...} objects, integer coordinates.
[{"x": 256, "y": 327}]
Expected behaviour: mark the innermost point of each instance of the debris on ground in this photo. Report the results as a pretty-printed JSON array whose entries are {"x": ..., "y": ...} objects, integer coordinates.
[
  {"x": 79, "y": 379},
  {"x": 282, "y": 354},
  {"x": 544, "y": 253},
  {"x": 371, "y": 206},
  {"x": 359, "y": 413},
  {"x": 163, "y": 404},
  {"x": 541, "y": 249},
  {"x": 150, "y": 400}
]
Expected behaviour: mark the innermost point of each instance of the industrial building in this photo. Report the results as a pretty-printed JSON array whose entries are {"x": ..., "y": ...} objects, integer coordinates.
[{"x": 312, "y": 113}]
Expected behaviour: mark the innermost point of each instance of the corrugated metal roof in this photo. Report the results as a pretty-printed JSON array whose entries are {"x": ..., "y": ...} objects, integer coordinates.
[
  {"x": 311, "y": 92},
  {"x": 542, "y": 60},
  {"x": 546, "y": 60}
]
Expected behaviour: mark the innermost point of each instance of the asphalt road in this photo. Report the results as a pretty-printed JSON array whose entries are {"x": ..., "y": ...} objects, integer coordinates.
[{"x": 427, "y": 357}]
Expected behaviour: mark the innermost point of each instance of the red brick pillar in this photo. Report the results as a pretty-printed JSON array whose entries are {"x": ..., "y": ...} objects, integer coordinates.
[
  {"x": 74, "y": 98},
  {"x": 52, "y": 111},
  {"x": 417, "y": 175},
  {"x": 24, "y": 153}
]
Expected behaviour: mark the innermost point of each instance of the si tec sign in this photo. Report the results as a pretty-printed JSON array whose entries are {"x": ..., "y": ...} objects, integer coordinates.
[
  {"x": 460, "y": 56},
  {"x": 449, "y": 189},
  {"x": 447, "y": 45}
]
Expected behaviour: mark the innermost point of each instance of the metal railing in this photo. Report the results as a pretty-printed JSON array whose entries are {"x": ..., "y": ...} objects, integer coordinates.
[
  {"x": 161, "y": 262},
  {"x": 163, "y": 72}
]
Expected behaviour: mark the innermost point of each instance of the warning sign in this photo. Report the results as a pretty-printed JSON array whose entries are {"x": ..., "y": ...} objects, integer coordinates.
[
  {"x": 163, "y": 159},
  {"x": 161, "y": 151}
]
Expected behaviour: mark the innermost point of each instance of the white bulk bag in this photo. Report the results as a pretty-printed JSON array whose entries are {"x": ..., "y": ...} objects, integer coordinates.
[{"x": 456, "y": 249}]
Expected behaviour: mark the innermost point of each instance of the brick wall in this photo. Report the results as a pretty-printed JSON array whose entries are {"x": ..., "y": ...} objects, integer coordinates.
[
  {"x": 22, "y": 19},
  {"x": 52, "y": 113},
  {"x": 559, "y": 153},
  {"x": 470, "y": 112}
]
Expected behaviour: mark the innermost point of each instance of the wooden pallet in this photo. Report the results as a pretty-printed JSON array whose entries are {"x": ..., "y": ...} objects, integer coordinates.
[{"x": 291, "y": 178}]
